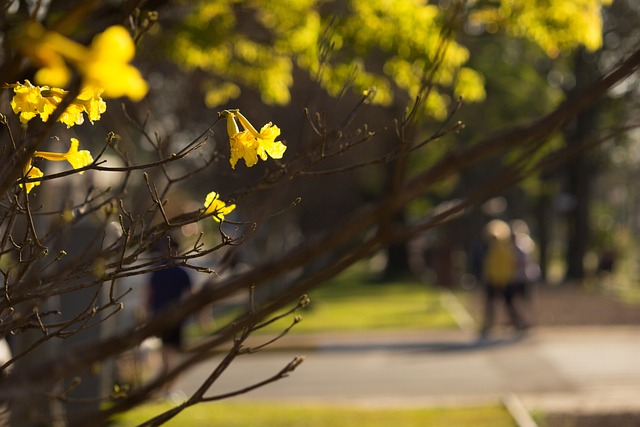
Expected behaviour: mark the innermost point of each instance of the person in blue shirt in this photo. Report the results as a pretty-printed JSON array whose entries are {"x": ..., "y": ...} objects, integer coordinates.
[{"x": 167, "y": 287}]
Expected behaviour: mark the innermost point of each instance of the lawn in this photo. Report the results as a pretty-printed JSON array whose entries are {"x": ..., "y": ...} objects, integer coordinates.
[
  {"x": 351, "y": 303},
  {"x": 354, "y": 302},
  {"x": 295, "y": 415}
]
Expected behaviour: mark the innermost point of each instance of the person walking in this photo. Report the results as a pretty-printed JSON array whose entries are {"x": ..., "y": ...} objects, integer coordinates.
[
  {"x": 167, "y": 287},
  {"x": 500, "y": 274}
]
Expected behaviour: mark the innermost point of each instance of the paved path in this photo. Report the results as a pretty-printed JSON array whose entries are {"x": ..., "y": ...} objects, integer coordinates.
[{"x": 556, "y": 369}]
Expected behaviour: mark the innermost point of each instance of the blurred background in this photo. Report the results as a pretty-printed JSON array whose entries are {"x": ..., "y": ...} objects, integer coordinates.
[{"x": 337, "y": 77}]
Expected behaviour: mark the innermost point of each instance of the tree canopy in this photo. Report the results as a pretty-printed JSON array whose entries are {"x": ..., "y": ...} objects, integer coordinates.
[{"x": 389, "y": 46}]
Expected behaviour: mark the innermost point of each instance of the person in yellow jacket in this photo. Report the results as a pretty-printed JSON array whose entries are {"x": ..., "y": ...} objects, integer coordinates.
[{"x": 499, "y": 272}]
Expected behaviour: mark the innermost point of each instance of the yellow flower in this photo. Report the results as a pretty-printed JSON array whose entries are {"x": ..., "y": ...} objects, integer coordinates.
[
  {"x": 27, "y": 101},
  {"x": 268, "y": 144},
  {"x": 77, "y": 159},
  {"x": 104, "y": 64},
  {"x": 251, "y": 144},
  {"x": 216, "y": 207},
  {"x": 52, "y": 98},
  {"x": 30, "y": 101},
  {"x": 42, "y": 47},
  {"x": 107, "y": 65},
  {"x": 243, "y": 146},
  {"x": 55, "y": 72},
  {"x": 72, "y": 115},
  {"x": 31, "y": 171},
  {"x": 92, "y": 103}
]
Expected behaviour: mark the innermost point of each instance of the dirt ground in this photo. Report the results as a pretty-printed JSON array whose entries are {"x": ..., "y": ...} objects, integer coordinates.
[{"x": 624, "y": 419}]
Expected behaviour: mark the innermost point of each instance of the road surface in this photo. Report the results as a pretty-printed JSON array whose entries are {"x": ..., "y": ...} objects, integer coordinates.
[{"x": 583, "y": 368}]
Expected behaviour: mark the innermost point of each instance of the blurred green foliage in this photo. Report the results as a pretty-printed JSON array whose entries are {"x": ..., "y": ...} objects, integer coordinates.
[
  {"x": 361, "y": 44},
  {"x": 554, "y": 25}
]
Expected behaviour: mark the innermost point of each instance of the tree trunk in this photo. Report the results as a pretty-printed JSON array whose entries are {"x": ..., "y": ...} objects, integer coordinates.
[
  {"x": 542, "y": 219},
  {"x": 580, "y": 172},
  {"x": 397, "y": 256},
  {"x": 578, "y": 218}
]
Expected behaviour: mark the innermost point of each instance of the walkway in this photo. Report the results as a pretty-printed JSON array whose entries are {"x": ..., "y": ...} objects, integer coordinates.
[{"x": 557, "y": 367}]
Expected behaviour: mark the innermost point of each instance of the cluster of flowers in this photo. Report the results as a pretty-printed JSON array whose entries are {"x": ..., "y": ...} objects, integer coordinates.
[
  {"x": 251, "y": 144},
  {"x": 30, "y": 101},
  {"x": 248, "y": 144},
  {"x": 105, "y": 70}
]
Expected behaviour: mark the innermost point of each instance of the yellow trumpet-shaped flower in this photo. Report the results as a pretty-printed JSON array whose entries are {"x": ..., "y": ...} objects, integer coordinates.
[
  {"x": 77, "y": 158},
  {"x": 216, "y": 207},
  {"x": 250, "y": 144},
  {"x": 104, "y": 64},
  {"x": 243, "y": 146},
  {"x": 31, "y": 171},
  {"x": 43, "y": 47},
  {"x": 268, "y": 144},
  {"x": 72, "y": 115},
  {"x": 30, "y": 101},
  {"x": 90, "y": 97},
  {"x": 27, "y": 102},
  {"x": 107, "y": 65}
]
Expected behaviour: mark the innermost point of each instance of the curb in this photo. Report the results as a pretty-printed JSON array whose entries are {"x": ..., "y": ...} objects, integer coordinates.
[
  {"x": 460, "y": 315},
  {"x": 517, "y": 410}
]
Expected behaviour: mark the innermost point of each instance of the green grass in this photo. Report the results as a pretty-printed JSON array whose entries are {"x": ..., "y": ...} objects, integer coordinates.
[
  {"x": 285, "y": 415},
  {"x": 352, "y": 302}
]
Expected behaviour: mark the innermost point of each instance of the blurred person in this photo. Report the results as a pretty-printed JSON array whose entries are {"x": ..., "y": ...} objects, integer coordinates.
[
  {"x": 606, "y": 262},
  {"x": 527, "y": 270},
  {"x": 166, "y": 288},
  {"x": 500, "y": 268}
]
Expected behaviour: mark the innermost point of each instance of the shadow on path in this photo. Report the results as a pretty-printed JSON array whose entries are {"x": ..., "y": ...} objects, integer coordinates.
[{"x": 453, "y": 345}]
